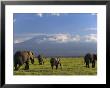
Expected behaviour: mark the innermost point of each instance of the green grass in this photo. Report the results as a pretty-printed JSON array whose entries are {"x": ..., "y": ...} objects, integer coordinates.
[{"x": 70, "y": 66}]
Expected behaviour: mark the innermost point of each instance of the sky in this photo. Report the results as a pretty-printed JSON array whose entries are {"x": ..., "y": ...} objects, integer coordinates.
[{"x": 55, "y": 28}]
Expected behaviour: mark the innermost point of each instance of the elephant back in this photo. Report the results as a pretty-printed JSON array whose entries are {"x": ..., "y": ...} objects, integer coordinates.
[{"x": 18, "y": 58}]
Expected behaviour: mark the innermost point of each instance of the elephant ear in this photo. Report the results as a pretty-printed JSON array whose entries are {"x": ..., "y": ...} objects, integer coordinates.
[{"x": 31, "y": 54}]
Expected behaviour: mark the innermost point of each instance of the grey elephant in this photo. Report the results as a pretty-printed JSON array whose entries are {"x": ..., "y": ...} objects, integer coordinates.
[
  {"x": 40, "y": 60},
  {"x": 23, "y": 57},
  {"x": 94, "y": 59},
  {"x": 55, "y": 62},
  {"x": 90, "y": 58},
  {"x": 87, "y": 59}
]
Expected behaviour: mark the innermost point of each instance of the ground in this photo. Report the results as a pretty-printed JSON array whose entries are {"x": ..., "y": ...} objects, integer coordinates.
[{"x": 70, "y": 66}]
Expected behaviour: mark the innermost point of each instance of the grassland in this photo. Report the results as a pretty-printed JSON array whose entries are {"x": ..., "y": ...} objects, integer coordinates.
[{"x": 70, "y": 66}]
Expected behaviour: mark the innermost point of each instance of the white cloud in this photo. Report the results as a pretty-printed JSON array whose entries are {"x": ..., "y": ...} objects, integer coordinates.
[
  {"x": 19, "y": 40},
  {"x": 91, "y": 38},
  {"x": 64, "y": 38},
  {"x": 59, "y": 38},
  {"x": 76, "y": 38},
  {"x": 40, "y": 14},
  {"x": 55, "y": 14}
]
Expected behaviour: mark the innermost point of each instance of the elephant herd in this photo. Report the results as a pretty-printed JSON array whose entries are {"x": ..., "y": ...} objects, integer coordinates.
[{"x": 24, "y": 57}]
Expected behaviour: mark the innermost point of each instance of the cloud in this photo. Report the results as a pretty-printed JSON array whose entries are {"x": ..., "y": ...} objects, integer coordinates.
[
  {"x": 61, "y": 38},
  {"x": 58, "y": 38},
  {"x": 90, "y": 38},
  {"x": 40, "y": 14},
  {"x": 76, "y": 38},
  {"x": 17, "y": 41},
  {"x": 65, "y": 38},
  {"x": 55, "y": 14},
  {"x": 18, "y": 38}
]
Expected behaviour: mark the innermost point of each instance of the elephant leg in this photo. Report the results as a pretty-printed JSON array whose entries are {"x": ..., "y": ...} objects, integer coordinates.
[
  {"x": 19, "y": 67},
  {"x": 15, "y": 67},
  {"x": 60, "y": 65},
  {"x": 56, "y": 66},
  {"x": 27, "y": 66},
  {"x": 52, "y": 66},
  {"x": 42, "y": 62},
  {"x": 39, "y": 62},
  {"x": 32, "y": 61},
  {"x": 87, "y": 64},
  {"x": 93, "y": 64}
]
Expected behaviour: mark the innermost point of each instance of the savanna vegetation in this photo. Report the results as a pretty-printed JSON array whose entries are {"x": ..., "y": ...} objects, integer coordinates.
[{"x": 70, "y": 66}]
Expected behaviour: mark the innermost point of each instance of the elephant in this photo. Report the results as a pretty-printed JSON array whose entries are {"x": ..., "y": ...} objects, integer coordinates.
[
  {"x": 55, "y": 62},
  {"x": 23, "y": 57},
  {"x": 94, "y": 58},
  {"x": 40, "y": 60},
  {"x": 90, "y": 58},
  {"x": 87, "y": 59}
]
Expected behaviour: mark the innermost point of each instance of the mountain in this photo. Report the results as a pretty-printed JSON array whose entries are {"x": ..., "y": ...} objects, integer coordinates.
[{"x": 52, "y": 48}]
